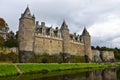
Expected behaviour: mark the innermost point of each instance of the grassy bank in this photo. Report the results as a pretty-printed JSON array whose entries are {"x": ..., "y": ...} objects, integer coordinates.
[
  {"x": 13, "y": 69},
  {"x": 7, "y": 69}
]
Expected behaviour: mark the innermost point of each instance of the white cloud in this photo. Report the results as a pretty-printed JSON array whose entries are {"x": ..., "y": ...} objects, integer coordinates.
[
  {"x": 110, "y": 27},
  {"x": 102, "y": 17},
  {"x": 106, "y": 32}
]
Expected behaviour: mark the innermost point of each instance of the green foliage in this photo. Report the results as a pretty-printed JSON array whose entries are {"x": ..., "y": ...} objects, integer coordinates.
[
  {"x": 78, "y": 59},
  {"x": 1, "y": 41},
  {"x": 46, "y": 58},
  {"x": 12, "y": 40},
  {"x": 59, "y": 58},
  {"x": 10, "y": 57},
  {"x": 11, "y": 43}
]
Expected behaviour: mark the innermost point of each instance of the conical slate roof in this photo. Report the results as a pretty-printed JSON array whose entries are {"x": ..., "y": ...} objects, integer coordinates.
[
  {"x": 27, "y": 13},
  {"x": 64, "y": 26},
  {"x": 85, "y": 32}
]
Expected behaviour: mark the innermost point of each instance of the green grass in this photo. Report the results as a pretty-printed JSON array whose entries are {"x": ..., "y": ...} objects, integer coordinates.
[
  {"x": 28, "y": 68},
  {"x": 9, "y": 68}
]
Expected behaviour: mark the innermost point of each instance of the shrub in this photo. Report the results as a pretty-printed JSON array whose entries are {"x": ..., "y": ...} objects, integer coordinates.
[
  {"x": 10, "y": 57},
  {"x": 59, "y": 58}
]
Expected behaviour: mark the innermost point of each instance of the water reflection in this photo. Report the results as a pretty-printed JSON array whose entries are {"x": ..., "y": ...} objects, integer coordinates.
[{"x": 104, "y": 74}]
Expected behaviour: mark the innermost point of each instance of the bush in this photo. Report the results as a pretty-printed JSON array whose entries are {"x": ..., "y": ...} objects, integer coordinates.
[
  {"x": 11, "y": 43},
  {"x": 59, "y": 58},
  {"x": 10, "y": 57},
  {"x": 78, "y": 59}
]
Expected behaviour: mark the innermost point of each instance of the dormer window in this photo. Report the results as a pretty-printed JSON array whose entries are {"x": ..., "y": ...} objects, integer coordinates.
[{"x": 51, "y": 32}]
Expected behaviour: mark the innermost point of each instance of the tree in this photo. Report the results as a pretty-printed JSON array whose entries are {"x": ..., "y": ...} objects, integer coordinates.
[
  {"x": 11, "y": 43},
  {"x": 98, "y": 48},
  {"x": 10, "y": 35},
  {"x": 1, "y": 41}
]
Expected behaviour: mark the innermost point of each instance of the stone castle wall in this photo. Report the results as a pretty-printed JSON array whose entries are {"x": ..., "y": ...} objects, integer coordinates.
[
  {"x": 39, "y": 38},
  {"x": 45, "y": 44},
  {"x": 76, "y": 48},
  {"x": 52, "y": 45}
]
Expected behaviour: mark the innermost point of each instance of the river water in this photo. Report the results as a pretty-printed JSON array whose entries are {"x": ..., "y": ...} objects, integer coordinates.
[{"x": 102, "y": 74}]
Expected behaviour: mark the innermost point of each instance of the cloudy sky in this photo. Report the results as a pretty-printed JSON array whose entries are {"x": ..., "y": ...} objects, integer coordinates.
[{"x": 100, "y": 17}]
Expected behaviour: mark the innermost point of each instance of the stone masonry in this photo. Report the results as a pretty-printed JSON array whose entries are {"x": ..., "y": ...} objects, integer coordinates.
[
  {"x": 35, "y": 38},
  {"x": 38, "y": 38}
]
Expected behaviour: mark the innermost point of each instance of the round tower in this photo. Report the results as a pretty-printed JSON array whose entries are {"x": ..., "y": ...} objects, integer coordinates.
[
  {"x": 26, "y": 36},
  {"x": 86, "y": 39},
  {"x": 65, "y": 36}
]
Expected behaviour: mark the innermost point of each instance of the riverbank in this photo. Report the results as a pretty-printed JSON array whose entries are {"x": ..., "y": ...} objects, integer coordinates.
[{"x": 9, "y": 69}]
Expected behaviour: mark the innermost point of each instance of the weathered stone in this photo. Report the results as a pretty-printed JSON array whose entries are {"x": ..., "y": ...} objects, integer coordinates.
[
  {"x": 107, "y": 56},
  {"x": 40, "y": 38},
  {"x": 26, "y": 56},
  {"x": 102, "y": 56},
  {"x": 96, "y": 56}
]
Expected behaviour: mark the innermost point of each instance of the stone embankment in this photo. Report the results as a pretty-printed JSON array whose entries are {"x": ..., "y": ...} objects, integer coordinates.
[{"x": 103, "y": 56}]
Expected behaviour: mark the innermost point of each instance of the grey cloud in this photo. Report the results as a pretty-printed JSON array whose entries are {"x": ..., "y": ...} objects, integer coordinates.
[{"x": 77, "y": 13}]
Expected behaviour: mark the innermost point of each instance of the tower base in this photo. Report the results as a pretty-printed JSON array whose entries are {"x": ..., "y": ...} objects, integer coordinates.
[{"x": 26, "y": 57}]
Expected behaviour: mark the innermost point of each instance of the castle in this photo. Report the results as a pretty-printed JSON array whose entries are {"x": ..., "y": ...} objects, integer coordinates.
[
  {"x": 40, "y": 38},
  {"x": 35, "y": 38}
]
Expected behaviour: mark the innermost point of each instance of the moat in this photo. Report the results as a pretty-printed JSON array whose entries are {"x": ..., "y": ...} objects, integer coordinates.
[{"x": 101, "y": 74}]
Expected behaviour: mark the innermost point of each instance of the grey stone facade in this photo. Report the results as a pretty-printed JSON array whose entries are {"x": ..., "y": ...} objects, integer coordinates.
[{"x": 35, "y": 38}]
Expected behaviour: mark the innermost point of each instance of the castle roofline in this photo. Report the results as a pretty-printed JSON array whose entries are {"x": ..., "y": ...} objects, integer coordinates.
[
  {"x": 85, "y": 32},
  {"x": 64, "y": 26},
  {"x": 27, "y": 14}
]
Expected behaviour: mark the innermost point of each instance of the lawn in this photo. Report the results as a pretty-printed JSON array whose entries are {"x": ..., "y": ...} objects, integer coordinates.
[
  {"x": 27, "y": 68},
  {"x": 7, "y": 69}
]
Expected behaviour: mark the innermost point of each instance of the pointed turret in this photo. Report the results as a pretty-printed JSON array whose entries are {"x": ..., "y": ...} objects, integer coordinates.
[
  {"x": 26, "y": 36},
  {"x": 64, "y": 26},
  {"x": 85, "y": 32},
  {"x": 66, "y": 37},
  {"x": 27, "y": 13},
  {"x": 86, "y": 40}
]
